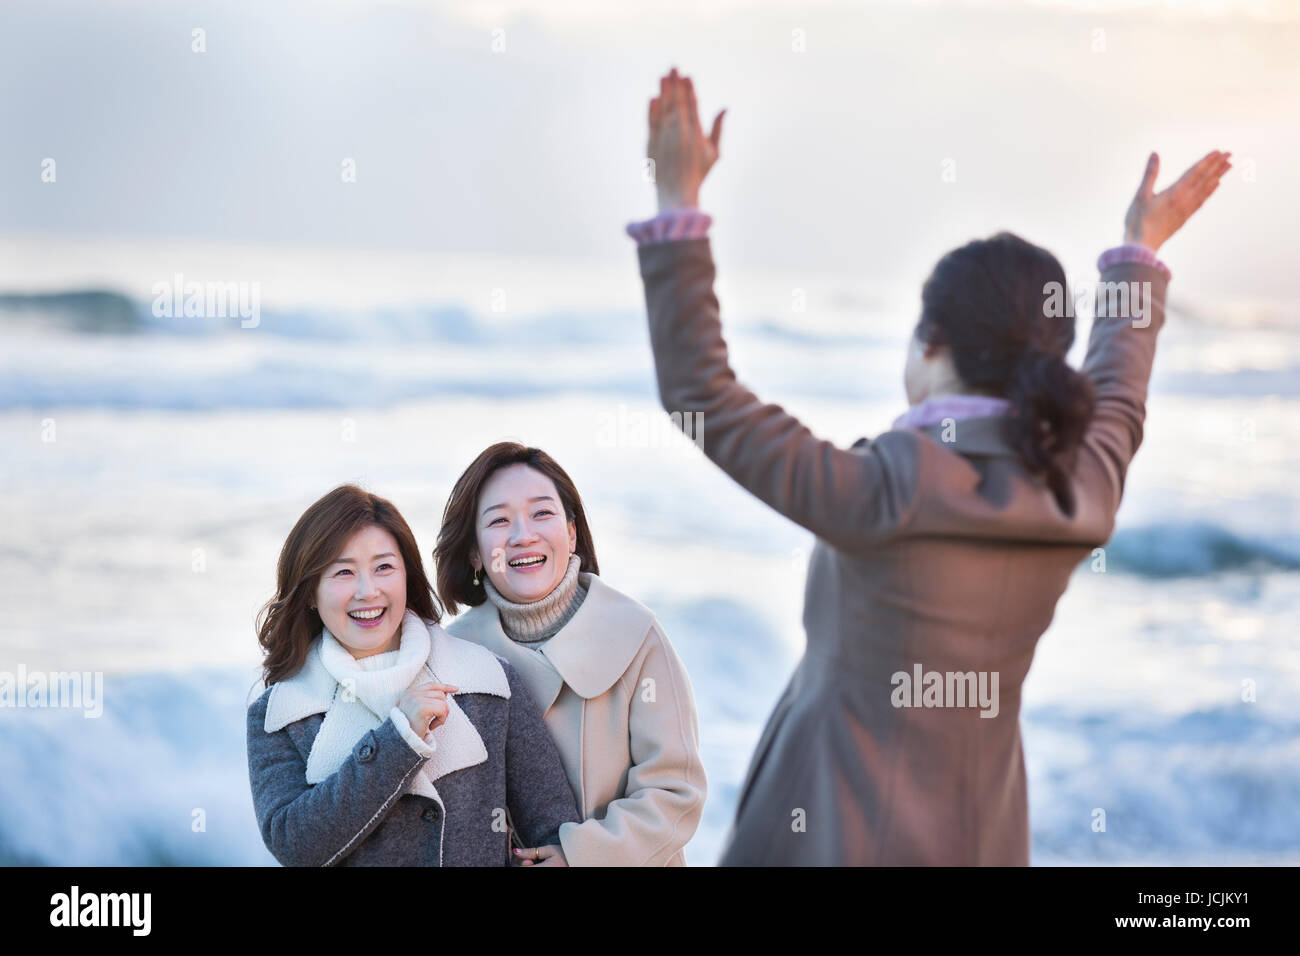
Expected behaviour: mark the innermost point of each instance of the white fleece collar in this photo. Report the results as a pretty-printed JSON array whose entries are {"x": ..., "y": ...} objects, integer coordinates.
[{"x": 456, "y": 744}]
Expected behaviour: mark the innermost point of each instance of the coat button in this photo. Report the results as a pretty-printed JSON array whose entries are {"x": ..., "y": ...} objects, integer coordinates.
[
  {"x": 366, "y": 752},
  {"x": 431, "y": 814}
]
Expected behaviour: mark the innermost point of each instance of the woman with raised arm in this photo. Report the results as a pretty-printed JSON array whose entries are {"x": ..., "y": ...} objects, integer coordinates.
[{"x": 943, "y": 544}]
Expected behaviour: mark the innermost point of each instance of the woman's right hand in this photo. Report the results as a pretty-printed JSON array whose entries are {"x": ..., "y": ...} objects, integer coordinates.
[
  {"x": 425, "y": 706},
  {"x": 1155, "y": 216}
]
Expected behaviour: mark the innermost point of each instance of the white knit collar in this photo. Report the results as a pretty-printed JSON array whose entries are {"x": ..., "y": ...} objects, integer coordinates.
[
  {"x": 381, "y": 688},
  {"x": 535, "y": 622}
]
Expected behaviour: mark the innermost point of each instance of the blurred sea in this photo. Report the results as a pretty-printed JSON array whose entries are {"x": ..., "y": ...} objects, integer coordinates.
[{"x": 153, "y": 466}]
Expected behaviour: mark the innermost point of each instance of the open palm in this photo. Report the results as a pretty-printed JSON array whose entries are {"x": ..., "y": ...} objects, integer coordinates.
[
  {"x": 1155, "y": 216},
  {"x": 681, "y": 153}
]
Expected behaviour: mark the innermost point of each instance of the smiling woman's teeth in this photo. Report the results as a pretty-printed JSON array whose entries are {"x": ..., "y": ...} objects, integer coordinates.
[
  {"x": 526, "y": 562},
  {"x": 365, "y": 615}
]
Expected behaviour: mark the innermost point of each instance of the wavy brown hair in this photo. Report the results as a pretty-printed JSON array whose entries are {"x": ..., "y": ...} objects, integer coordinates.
[
  {"x": 287, "y": 624},
  {"x": 459, "y": 535}
]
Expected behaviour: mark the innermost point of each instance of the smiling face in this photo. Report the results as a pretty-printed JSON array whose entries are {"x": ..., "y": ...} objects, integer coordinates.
[
  {"x": 361, "y": 596},
  {"x": 521, "y": 530}
]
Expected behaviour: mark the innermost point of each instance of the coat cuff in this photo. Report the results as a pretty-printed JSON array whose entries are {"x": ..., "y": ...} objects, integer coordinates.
[
  {"x": 685, "y": 223},
  {"x": 423, "y": 748},
  {"x": 569, "y": 847},
  {"x": 1131, "y": 252},
  {"x": 588, "y": 843}
]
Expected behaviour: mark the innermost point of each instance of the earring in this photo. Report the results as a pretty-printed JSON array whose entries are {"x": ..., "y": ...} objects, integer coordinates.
[{"x": 476, "y": 577}]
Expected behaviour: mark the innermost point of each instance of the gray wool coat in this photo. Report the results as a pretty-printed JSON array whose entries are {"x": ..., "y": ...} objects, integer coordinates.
[
  {"x": 360, "y": 816},
  {"x": 935, "y": 553}
]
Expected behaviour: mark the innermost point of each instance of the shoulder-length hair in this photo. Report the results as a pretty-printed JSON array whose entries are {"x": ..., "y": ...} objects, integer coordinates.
[
  {"x": 287, "y": 624},
  {"x": 459, "y": 534}
]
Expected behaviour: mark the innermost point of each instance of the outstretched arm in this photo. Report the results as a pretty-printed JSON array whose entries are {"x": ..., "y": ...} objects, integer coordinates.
[
  {"x": 851, "y": 499},
  {"x": 1129, "y": 312}
]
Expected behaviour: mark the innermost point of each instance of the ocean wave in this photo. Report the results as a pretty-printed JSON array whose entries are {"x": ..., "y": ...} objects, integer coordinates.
[
  {"x": 131, "y": 787},
  {"x": 108, "y": 312},
  {"x": 1189, "y": 549},
  {"x": 286, "y": 386},
  {"x": 86, "y": 311},
  {"x": 1193, "y": 786}
]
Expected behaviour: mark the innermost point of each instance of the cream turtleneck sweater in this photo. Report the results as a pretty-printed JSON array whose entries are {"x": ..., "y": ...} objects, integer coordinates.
[{"x": 535, "y": 623}]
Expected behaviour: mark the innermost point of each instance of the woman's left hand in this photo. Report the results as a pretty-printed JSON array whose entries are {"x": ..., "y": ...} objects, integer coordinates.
[
  {"x": 681, "y": 153},
  {"x": 549, "y": 855},
  {"x": 1153, "y": 217}
]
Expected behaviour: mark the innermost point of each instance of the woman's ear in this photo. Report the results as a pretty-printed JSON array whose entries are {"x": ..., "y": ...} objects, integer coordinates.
[
  {"x": 930, "y": 350},
  {"x": 475, "y": 561},
  {"x": 573, "y": 537}
]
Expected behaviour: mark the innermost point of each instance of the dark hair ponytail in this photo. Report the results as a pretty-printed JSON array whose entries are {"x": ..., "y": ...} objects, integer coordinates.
[
  {"x": 1053, "y": 405},
  {"x": 988, "y": 302}
]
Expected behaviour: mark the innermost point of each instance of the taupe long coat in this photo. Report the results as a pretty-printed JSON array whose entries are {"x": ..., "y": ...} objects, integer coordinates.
[
  {"x": 618, "y": 703},
  {"x": 943, "y": 555}
]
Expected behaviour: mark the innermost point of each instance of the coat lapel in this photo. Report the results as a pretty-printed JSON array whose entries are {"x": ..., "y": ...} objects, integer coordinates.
[
  {"x": 590, "y": 653},
  {"x": 305, "y": 693},
  {"x": 457, "y": 743},
  {"x": 595, "y": 647},
  {"x": 482, "y": 626},
  {"x": 474, "y": 670}
]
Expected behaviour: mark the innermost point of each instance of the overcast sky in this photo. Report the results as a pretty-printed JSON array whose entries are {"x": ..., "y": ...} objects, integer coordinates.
[{"x": 833, "y": 156}]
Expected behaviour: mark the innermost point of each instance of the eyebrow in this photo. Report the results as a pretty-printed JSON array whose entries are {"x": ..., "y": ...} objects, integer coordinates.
[
  {"x": 538, "y": 498},
  {"x": 386, "y": 554}
]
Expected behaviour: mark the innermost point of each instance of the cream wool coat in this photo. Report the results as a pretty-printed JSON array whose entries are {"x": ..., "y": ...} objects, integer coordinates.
[{"x": 619, "y": 706}]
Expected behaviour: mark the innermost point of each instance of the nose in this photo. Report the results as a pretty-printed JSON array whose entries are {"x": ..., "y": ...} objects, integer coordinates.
[
  {"x": 366, "y": 586},
  {"x": 521, "y": 532}
]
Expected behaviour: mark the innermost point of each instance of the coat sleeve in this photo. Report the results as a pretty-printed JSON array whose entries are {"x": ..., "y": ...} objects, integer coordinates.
[
  {"x": 666, "y": 787},
  {"x": 1121, "y": 352},
  {"x": 318, "y": 824},
  {"x": 851, "y": 499},
  {"x": 537, "y": 788}
]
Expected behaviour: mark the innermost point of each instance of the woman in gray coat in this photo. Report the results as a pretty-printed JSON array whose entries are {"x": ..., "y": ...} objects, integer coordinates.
[
  {"x": 381, "y": 740},
  {"x": 943, "y": 544}
]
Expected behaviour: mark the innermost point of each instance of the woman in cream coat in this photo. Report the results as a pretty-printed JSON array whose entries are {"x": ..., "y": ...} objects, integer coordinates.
[{"x": 613, "y": 693}]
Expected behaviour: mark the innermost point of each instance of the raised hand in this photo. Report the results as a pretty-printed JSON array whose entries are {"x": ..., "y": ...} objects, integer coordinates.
[
  {"x": 681, "y": 153},
  {"x": 1155, "y": 216}
]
